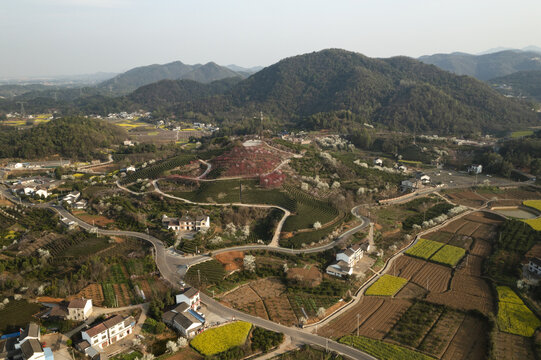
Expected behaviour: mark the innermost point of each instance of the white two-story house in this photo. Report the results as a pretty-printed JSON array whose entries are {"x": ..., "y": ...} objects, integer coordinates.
[
  {"x": 109, "y": 331},
  {"x": 189, "y": 296},
  {"x": 79, "y": 309}
]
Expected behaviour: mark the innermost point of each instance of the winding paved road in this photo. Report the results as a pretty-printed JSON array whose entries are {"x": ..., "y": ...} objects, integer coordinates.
[{"x": 168, "y": 263}]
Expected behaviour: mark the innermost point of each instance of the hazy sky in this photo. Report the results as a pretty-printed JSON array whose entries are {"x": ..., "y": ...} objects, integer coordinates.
[{"x": 52, "y": 37}]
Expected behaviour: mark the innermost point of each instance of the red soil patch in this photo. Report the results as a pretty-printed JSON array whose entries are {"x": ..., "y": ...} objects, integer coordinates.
[
  {"x": 233, "y": 260},
  {"x": 247, "y": 161}
]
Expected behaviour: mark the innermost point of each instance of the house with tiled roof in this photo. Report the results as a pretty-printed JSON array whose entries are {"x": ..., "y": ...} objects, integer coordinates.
[
  {"x": 79, "y": 309},
  {"x": 25, "y": 346},
  {"x": 190, "y": 296},
  {"x": 184, "y": 319},
  {"x": 108, "y": 332}
]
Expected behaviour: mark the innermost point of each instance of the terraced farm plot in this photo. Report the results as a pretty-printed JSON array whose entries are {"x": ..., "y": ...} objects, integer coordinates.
[
  {"x": 442, "y": 333},
  {"x": 246, "y": 299},
  {"x": 310, "y": 304},
  {"x": 382, "y": 321},
  {"x": 484, "y": 218},
  {"x": 470, "y": 341},
  {"x": 387, "y": 285},
  {"x": 485, "y": 232},
  {"x": 280, "y": 311},
  {"x": 471, "y": 285},
  {"x": 472, "y": 265},
  {"x": 468, "y": 228},
  {"x": 347, "y": 322},
  {"x": 481, "y": 248},
  {"x": 461, "y": 241},
  {"x": 536, "y": 204},
  {"x": 94, "y": 292},
  {"x": 383, "y": 350},
  {"x": 513, "y": 316},
  {"x": 424, "y": 248},
  {"x": 534, "y": 223},
  {"x": 406, "y": 267},
  {"x": 439, "y": 236},
  {"x": 448, "y": 255},
  {"x": 512, "y": 347},
  {"x": 415, "y": 323},
  {"x": 411, "y": 291},
  {"x": 435, "y": 277},
  {"x": 462, "y": 301},
  {"x": 209, "y": 272},
  {"x": 454, "y": 226}
]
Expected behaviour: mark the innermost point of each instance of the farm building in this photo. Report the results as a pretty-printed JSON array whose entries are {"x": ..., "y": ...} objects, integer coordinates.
[
  {"x": 339, "y": 269},
  {"x": 79, "y": 309},
  {"x": 189, "y": 296},
  {"x": 475, "y": 169},
  {"x": 184, "y": 319},
  {"x": 108, "y": 332},
  {"x": 25, "y": 345}
]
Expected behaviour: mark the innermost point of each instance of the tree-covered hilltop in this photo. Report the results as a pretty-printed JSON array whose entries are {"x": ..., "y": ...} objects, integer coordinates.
[
  {"x": 71, "y": 137},
  {"x": 167, "y": 92},
  {"x": 522, "y": 83},
  {"x": 399, "y": 93}
]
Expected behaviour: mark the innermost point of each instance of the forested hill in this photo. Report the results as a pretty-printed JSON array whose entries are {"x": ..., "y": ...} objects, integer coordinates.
[
  {"x": 144, "y": 75},
  {"x": 487, "y": 66},
  {"x": 74, "y": 137},
  {"x": 167, "y": 92},
  {"x": 400, "y": 93},
  {"x": 522, "y": 83}
]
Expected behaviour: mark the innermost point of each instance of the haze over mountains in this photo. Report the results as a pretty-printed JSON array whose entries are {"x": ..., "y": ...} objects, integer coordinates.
[{"x": 487, "y": 66}]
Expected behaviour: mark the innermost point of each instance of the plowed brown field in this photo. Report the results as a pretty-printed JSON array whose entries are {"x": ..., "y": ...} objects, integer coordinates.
[
  {"x": 436, "y": 277},
  {"x": 347, "y": 322},
  {"x": 512, "y": 347},
  {"x": 470, "y": 342},
  {"x": 381, "y": 322}
]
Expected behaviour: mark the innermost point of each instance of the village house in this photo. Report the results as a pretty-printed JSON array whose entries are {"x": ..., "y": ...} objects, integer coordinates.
[
  {"x": 534, "y": 266},
  {"x": 186, "y": 223},
  {"x": 475, "y": 169},
  {"x": 108, "y": 332},
  {"x": 378, "y": 162},
  {"x": 25, "y": 345},
  {"x": 189, "y": 296},
  {"x": 72, "y": 197},
  {"x": 79, "y": 309},
  {"x": 346, "y": 260},
  {"x": 408, "y": 185},
  {"x": 184, "y": 319}
]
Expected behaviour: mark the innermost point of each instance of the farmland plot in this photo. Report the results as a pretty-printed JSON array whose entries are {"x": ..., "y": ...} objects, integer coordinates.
[
  {"x": 485, "y": 232},
  {"x": 381, "y": 322},
  {"x": 470, "y": 266},
  {"x": 94, "y": 292},
  {"x": 440, "y": 236},
  {"x": 448, "y": 255},
  {"x": 424, "y": 248},
  {"x": 484, "y": 218},
  {"x": 512, "y": 347},
  {"x": 481, "y": 248},
  {"x": 387, "y": 285},
  {"x": 462, "y": 301},
  {"x": 468, "y": 228},
  {"x": 440, "y": 335},
  {"x": 470, "y": 341},
  {"x": 347, "y": 322},
  {"x": 454, "y": 226},
  {"x": 406, "y": 267},
  {"x": 433, "y": 277},
  {"x": 280, "y": 311},
  {"x": 471, "y": 285},
  {"x": 462, "y": 241}
]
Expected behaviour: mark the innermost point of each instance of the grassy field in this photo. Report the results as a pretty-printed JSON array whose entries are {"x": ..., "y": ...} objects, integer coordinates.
[
  {"x": 513, "y": 316},
  {"x": 449, "y": 255},
  {"x": 387, "y": 285},
  {"x": 424, "y": 249},
  {"x": 519, "y": 134},
  {"x": 17, "y": 314},
  {"x": 216, "y": 340},
  {"x": 382, "y": 350}
]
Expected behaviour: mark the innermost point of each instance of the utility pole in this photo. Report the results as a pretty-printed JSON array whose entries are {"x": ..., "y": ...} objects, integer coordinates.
[
  {"x": 22, "y": 107},
  {"x": 199, "y": 276},
  {"x": 357, "y": 324}
]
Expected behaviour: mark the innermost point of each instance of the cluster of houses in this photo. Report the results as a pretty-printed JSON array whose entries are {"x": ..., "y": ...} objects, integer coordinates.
[
  {"x": 399, "y": 167},
  {"x": 415, "y": 183},
  {"x": 72, "y": 199},
  {"x": 184, "y": 316},
  {"x": 346, "y": 260},
  {"x": 38, "y": 165},
  {"x": 24, "y": 345},
  {"x": 37, "y": 186},
  {"x": 186, "y": 223}
]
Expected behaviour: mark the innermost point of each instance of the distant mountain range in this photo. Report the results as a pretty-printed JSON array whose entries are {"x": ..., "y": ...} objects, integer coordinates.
[
  {"x": 130, "y": 80},
  {"x": 487, "y": 66},
  {"x": 530, "y": 48},
  {"x": 326, "y": 89}
]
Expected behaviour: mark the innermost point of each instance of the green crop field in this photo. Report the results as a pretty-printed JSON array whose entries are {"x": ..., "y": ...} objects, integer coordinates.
[
  {"x": 310, "y": 303},
  {"x": 17, "y": 314},
  {"x": 519, "y": 134},
  {"x": 424, "y": 248},
  {"x": 216, "y": 340},
  {"x": 536, "y": 204},
  {"x": 382, "y": 350},
  {"x": 387, "y": 285},
  {"x": 448, "y": 255},
  {"x": 209, "y": 272},
  {"x": 513, "y": 316},
  {"x": 534, "y": 223}
]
